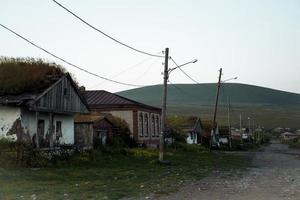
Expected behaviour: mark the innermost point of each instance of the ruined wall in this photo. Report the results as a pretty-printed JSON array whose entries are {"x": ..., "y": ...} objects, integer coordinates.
[
  {"x": 8, "y": 118},
  {"x": 126, "y": 116},
  {"x": 84, "y": 134},
  {"x": 17, "y": 123},
  {"x": 67, "y": 125}
]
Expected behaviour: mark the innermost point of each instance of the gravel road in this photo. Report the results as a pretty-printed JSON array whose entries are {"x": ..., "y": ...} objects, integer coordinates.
[{"x": 275, "y": 174}]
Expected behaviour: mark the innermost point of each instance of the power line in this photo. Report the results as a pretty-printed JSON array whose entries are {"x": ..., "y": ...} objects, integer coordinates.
[
  {"x": 65, "y": 61},
  {"x": 123, "y": 71},
  {"x": 186, "y": 93},
  {"x": 184, "y": 71},
  {"x": 106, "y": 35}
]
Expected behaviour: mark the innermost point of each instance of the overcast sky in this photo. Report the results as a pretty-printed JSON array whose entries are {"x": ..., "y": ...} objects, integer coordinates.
[{"x": 256, "y": 40}]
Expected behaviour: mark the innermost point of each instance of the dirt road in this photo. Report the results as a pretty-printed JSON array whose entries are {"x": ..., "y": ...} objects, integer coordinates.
[{"x": 275, "y": 175}]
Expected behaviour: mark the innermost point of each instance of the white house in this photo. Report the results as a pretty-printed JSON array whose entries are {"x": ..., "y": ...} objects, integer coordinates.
[
  {"x": 193, "y": 135},
  {"x": 45, "y": 118}
]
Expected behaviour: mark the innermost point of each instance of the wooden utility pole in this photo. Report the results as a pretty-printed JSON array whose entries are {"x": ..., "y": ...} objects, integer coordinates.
[
  {"x": 241, "y": 128},
  {"x": 229, "y": 124},
  {"x": 216, "y": 108},
  {"x": 164, "y": 108}
]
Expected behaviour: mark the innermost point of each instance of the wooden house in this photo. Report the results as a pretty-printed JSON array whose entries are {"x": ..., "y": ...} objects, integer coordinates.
[
  {"x": 91, "y": 130},
  {"x": 144, "y": 121},
  {"x": 194, "y": 132},
  {"x": 44, "y": 117}
]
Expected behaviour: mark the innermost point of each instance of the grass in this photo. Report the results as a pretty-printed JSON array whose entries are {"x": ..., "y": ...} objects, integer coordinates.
[
  {"x": 113, "y": 175},
  {"x": 270, "y": 108},
  {"x": 294, "y": 143}
]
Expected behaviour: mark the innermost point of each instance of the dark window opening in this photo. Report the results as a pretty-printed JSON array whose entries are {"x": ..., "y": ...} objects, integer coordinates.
[{"x": 58, "y": 130}]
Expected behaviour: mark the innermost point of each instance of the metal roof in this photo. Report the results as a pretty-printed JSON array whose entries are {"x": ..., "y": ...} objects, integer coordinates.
[
  {"x": 88, "y": 118},
  {"x": 103, "y": 99}
]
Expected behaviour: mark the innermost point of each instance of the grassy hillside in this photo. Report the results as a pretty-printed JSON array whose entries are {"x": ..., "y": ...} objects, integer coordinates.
[
  {"x": 266, "y": 106},
  {"x": 204, "y": 94}
]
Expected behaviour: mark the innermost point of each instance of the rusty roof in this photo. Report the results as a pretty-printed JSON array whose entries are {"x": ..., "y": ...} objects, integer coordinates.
[
  {"x": 105, "y": 99},
  {"x": 87, "y": 118}
]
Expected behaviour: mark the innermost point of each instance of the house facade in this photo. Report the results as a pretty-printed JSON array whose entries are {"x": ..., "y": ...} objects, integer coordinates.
[
  {"x": 44, "y": 118},
  {"x": 194, "y": 134},
  {"x": 93, "y": 130},
  {"x": 144, "y": 121}
]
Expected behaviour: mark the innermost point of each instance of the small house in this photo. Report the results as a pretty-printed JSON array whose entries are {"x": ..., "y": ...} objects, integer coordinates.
[
  {"x": 144, "y": 121},
  {"x": 91, "y": 130},
  {"x": 289, "y": 136},
  {"x": 44, "y": 115},
  {"x": 194, "y": 133}
]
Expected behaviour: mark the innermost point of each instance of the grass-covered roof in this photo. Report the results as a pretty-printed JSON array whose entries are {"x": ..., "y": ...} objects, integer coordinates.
[{"x": 27, "y": 75}]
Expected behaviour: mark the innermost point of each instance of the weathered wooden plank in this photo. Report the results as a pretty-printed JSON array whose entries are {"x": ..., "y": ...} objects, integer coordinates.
[{"x": 62, "y": 97}]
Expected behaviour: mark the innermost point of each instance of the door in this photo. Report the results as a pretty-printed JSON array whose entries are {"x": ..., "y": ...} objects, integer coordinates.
[
  {"x": 102, "y": 136},
  {"x": 40, "y": 132}
]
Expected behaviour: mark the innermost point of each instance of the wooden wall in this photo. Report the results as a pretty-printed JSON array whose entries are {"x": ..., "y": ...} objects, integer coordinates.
[{"x": 62, "y": 97}]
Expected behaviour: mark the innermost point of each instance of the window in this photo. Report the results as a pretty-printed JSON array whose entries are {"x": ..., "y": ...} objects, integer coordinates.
[
  {"x": 192, "y": 135},
  {"x": 58, "y": 131},
  {"x": 146, "y": 125},
  {"x": 41, "y": 128},
  {"x": 152, "y": 126},
  {"x": 141, "y": 125},
  {"x": 65, "y": 91}
]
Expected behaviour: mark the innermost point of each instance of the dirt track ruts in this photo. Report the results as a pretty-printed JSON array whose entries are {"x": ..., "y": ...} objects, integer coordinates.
[{"x": 274, "y": 175}]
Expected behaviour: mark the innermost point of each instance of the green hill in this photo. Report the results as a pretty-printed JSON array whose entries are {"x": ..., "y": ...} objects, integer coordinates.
[{"x": 266, "y": 106}]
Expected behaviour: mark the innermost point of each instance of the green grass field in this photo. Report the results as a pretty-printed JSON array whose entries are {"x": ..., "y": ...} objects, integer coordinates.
[
  {"x": 112, "y": 175},
  {"x": 268, "y": 107}
]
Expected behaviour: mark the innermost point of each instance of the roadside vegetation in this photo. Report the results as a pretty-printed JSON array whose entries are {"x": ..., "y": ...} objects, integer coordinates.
[
  {"x": 109, "y": 173},
  {"x": 294, "y": 143}
]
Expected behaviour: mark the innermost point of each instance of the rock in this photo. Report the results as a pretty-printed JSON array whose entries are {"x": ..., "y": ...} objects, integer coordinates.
[{"x": 33, "y": 197}]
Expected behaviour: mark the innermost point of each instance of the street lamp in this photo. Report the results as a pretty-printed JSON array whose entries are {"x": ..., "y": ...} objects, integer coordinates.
[
  {"x": 167, "y": 72},
  {"x": 213, "y": 133},
  {"x": 178, "y": 66},
  {"x": 229, "y": 79},
  {"x": 229, "y": 122}
]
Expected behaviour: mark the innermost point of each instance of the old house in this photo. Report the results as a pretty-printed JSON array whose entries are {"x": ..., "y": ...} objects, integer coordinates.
[
  {"x": 143, "y": 120},
  {"x": 194, "y": 132},
  {"x": 43, "y": 116},
  {"x": 91, "y": 130}
]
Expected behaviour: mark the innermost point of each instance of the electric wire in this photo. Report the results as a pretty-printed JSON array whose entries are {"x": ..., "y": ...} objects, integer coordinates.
[
  {"x": 232, "y": 110},
  {"x": 184, "y": 71},
  {"x": 123, "y": 71},
  {"x": 146, "y": 71},
  {"x": 105, "y": 34},
  {"x": 67, "y": 62},
  {"x": 186, "y": 93}
]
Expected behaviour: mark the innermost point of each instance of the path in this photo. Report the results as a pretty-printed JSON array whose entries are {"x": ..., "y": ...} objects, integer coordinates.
[{"x": 275, "y": 175}]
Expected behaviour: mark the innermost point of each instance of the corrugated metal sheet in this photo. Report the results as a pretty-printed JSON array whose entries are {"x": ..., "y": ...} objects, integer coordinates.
[
  {"x": 102, "y": 99},
  {"x": 87, "y": 118}
]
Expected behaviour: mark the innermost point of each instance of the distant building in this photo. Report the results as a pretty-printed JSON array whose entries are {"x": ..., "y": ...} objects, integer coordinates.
[
  {"x": 194, "y": 131},
  {"x": 144, "y": 121},
  {"x": 290, "y": 136}
]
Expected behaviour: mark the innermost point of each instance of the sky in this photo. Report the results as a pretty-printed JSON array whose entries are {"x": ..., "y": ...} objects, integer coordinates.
[{"x": 256, "y": 40}]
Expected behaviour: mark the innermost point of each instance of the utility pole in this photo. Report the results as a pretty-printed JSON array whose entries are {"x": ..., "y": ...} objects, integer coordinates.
[
  {"x": 241, "y": 129},
  {"x": 229, "y": 124},
  {"x": 164, "y": 108},
  {"x": 216, "y": 107}
]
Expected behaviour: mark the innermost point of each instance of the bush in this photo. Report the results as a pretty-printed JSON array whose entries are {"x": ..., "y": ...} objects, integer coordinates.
[{"x": 187, "y": 147}]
